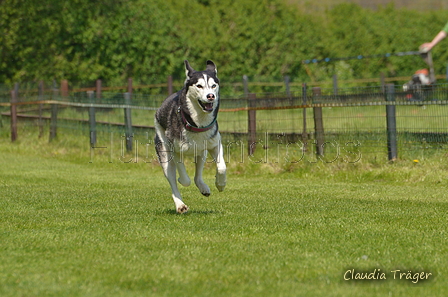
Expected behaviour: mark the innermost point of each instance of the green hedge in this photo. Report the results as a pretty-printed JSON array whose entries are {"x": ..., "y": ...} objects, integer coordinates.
[{"x": 84, "y": 40}]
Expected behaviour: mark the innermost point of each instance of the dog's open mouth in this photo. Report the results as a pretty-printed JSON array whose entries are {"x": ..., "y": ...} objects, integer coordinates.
[{"x": 208, "y": 107}]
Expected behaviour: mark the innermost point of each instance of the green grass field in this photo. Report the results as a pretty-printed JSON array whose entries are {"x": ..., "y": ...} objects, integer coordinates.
[{"x": 72, "y": 227}]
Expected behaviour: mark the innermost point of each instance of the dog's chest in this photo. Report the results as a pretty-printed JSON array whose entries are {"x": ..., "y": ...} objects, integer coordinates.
[{"x": 192, "y": 143}]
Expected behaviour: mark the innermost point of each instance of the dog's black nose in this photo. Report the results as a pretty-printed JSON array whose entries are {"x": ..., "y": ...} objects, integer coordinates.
[{"x": 211, "y": 97}]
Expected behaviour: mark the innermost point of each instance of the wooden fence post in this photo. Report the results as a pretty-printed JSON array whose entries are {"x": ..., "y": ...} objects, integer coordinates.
[
  {"x": 54, "y": 114},
  {"x": 64, "y": 88},
  {"x": 14, "y": 100},
  {"x": 40, "y": 122},
  {"x": 98, "y": 88},
  {"x": 318, "y": 125},
  {"x": 251, "y": 124},
  {"x": 130, "y": 86},
  {"x": 304, "y": 133},
  {"x": 92, "y": 120},
  {"x": 170, "y": 85},
  {"x": 128, "y": 121},
  {"x": 391, "y": 123}
]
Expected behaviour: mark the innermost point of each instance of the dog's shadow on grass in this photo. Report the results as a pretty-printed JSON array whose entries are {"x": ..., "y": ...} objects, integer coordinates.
[{"x": 189, "y": 213}]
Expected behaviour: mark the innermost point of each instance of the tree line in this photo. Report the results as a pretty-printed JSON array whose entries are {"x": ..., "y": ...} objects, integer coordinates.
[{"x": 112, "y": 40}]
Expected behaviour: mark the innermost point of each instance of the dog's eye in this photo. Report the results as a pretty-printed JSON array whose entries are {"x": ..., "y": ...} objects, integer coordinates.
[
  {"x": 214, "y": 86},
  {"x": 199, "y": 86}
]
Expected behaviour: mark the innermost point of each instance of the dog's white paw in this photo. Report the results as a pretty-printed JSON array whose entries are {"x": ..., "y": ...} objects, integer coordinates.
[
  {"x": 182, "y": 209},
  {"x": 220, "y": 181},
  {"x": 220, "y": 187}
]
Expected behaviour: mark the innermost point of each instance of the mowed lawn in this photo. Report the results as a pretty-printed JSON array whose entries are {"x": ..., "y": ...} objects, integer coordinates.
[{"x": 74, "y": 228}]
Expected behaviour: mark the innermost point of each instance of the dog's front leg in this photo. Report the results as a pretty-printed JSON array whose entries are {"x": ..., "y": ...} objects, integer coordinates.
[
  {"x": 183, "y": 179},
  {"x": 202, "y": 186},
  {"x": 218, "y": 157}
]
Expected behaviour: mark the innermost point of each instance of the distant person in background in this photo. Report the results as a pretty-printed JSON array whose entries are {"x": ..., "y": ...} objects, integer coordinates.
[{"x": 426, "y": 47}]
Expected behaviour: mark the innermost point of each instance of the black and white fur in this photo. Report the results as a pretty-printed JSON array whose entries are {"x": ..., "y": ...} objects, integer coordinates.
[
  {"x": 418, "y": 80},
  {"x": 186, "y": 125}
]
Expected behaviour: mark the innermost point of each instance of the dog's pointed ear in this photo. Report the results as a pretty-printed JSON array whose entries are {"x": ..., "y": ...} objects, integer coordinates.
[
  {"x": 211, "y": 67},
  {"x": 188, "y": 70}
]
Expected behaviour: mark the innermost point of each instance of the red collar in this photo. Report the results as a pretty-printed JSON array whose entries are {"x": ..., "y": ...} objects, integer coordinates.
[{"x": 194, "y": 128}]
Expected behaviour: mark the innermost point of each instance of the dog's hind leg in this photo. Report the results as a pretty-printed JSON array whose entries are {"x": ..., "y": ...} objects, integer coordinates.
[
  {"x": 202, "y": 186},
  {"x": 169, "y": 169},
  {"x": 170, "y": 173}
]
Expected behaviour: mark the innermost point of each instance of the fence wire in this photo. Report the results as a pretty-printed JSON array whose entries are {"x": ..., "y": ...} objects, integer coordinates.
[{"x": 353, "y": 117}]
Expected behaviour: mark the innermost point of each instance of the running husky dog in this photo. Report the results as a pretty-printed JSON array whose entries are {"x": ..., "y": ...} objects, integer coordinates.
[{"x": 186, "y": 125}]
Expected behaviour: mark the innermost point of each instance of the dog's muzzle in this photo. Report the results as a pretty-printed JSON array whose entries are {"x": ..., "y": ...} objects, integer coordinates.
[{"x": 208, "y": 106}]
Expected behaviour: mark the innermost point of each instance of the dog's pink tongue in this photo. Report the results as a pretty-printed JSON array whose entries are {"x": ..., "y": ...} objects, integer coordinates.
[{"x": 209, "y": 106}]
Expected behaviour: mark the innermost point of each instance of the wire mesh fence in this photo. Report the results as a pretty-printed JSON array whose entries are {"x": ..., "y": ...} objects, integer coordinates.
[{"x": 353, "y": 121}]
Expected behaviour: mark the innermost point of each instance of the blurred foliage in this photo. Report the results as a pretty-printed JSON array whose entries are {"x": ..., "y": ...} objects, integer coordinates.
[{"x": 85, "y": 40}]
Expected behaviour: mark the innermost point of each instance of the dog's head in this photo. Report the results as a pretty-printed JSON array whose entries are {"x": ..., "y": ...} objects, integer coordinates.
[
  {"x": 202, "y": 87},
  {"x": 420, "y": 78}
]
